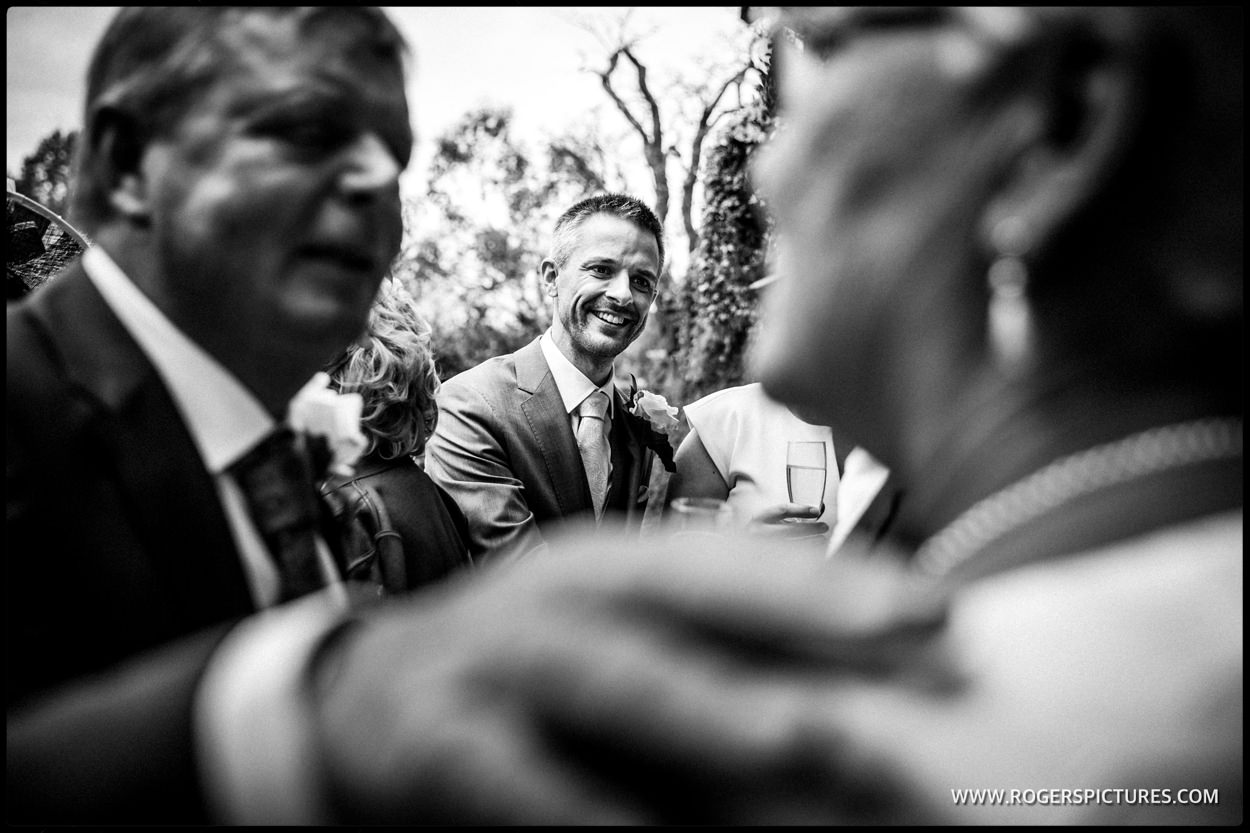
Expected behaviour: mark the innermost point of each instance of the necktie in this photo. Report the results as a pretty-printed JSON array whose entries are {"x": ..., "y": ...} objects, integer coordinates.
[
  {"x": 592, "y": 441},
  {"x": 277, "y": 481}
]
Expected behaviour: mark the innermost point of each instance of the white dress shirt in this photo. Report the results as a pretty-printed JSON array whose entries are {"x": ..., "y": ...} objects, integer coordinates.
[
  {"x": 224, "y": 419},
  {"x": 574, "y": 387}
]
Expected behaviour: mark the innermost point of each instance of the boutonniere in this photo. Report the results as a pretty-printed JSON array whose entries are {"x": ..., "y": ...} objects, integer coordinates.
[
  {"x": 331, "y": 423},
  {"x": 657, "y": 417}
]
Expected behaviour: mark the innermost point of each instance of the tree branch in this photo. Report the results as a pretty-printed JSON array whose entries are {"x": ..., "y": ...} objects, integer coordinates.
[
  {"x": 652, "y": 104},
  {"x": 564, "y": 154},
  {"x": 702, "y": 127},
  {"x": 652, "y": 141},
  {"x": 605, "y": 78}
]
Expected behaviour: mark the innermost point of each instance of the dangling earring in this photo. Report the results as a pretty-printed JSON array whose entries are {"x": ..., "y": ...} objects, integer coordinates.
[{"x": 1010, "y": 319}]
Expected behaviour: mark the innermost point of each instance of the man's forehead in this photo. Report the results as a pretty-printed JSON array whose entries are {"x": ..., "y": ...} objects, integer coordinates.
[
  {"x": 604, "y": 223},
  {"x": 342, "y": 42},
  {"x": 262, "y": 60},
  {"x": 601, "y": 231},
  {"x": 271, "y": 54}
]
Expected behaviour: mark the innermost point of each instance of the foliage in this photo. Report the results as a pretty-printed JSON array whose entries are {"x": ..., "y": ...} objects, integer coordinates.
[
  {"x": 487, "y": 216},
  {"x": 670, "y": 113},
  {"x": 45, "y": 175},
  {"x": 717, "y": 304},
  {"x": 492, "y": 201}
]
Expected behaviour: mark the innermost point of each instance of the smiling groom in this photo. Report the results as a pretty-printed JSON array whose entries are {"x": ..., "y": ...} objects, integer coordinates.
[{"x": 542, "y": 435}]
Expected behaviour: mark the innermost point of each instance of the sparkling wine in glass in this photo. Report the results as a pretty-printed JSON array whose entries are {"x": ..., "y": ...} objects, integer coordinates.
[{"x": 805, "y": 472}]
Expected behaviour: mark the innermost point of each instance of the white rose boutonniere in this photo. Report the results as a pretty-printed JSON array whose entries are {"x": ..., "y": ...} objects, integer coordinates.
[
  {"x": 657, "y": 416},
  {"x": 654, "y": 408},
  {"x": 321, "y": 413}
]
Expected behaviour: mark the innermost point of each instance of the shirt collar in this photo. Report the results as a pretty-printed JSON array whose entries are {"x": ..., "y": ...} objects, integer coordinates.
[
  {"x": 224, "y": 418},
  {"x": 573, "y": 385}
]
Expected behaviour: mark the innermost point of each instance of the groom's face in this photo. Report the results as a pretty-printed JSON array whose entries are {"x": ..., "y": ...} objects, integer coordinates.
[{"x": 605, "y": 288}]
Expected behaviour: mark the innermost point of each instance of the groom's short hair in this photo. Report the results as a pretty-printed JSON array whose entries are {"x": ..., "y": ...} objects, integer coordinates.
[{"x": 623, "y": 206}]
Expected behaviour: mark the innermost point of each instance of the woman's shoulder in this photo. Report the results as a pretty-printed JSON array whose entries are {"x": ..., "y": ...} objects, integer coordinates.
[
  {"x": 403, "y": 487},
  {"x": 735, "y": 394},
  {"x": 400, "y": 473},
  {"x": 727, "y": 403}
]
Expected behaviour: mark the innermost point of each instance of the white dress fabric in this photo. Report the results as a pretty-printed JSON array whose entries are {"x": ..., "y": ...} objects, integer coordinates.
[{"x": 745, "y": 433}]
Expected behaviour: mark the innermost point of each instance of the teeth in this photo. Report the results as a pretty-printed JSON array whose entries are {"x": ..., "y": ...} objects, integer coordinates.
[{"x": 610, "y": 318}]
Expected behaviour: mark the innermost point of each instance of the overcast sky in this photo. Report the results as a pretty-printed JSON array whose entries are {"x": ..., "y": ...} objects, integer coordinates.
[{"x": 529, "y": 58}]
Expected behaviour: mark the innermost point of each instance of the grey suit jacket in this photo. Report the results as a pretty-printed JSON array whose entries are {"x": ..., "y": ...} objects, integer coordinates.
[{"x": 506, "y": 452}]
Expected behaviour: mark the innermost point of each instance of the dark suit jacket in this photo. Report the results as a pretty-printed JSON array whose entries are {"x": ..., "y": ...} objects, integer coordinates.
[
  {"x": 116, "y": 545},
  {"x": 504, "y": 449},
  {"x": 432, "y": 531}
]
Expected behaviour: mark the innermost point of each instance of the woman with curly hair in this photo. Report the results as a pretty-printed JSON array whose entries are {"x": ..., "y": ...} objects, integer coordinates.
[{"x": 418, "y": 532}]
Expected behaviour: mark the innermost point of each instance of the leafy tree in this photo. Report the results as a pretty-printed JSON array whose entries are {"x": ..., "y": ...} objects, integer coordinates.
[
  {"x": 45, "y": 176},
  {"x": 717, "y": 304},
  {"x": 672, "y": 118},
  {"x": 486, "y": 217}
]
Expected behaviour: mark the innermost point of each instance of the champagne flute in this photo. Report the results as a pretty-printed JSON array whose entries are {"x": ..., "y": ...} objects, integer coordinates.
[{"x": 805, "y": 473}]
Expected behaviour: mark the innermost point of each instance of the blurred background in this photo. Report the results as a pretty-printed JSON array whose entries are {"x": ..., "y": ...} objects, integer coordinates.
[{"x": 520, "y": 112}]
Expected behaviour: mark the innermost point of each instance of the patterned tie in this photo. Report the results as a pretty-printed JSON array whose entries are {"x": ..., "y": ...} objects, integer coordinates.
[
  {"x": 282, "y": 500},
  {"x": 592, "y": 441}
]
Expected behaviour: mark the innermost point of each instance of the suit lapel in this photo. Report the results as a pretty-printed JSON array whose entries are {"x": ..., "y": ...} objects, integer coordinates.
[
  {"x": 547, "y": 424},
  {"x": 637, "y": 456},
  {"x": 177, "y": 511}
]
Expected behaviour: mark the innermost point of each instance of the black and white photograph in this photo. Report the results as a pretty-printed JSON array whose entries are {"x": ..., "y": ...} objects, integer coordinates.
[{"x": 631, "y": 416}]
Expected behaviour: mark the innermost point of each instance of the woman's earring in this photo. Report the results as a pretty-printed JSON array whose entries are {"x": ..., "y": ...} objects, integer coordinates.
[{"x": 1010, "y": 318}]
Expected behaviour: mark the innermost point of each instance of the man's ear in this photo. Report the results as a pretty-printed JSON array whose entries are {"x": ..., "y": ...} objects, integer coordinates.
[
  {"x": 1083, "y": 121},
  {"x": 548, "y": 271},
  {"x": 118, "y": 154}
]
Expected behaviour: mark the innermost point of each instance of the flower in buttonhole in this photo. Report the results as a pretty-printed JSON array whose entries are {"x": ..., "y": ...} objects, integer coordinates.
[
  {"x": 655, "y": 416},
  {"x": 653, "y": 408},
  {"x": 321, "y": 413}
]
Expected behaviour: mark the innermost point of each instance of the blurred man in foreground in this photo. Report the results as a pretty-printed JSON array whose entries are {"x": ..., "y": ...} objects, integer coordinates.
[{"x": 238, "y": 172}]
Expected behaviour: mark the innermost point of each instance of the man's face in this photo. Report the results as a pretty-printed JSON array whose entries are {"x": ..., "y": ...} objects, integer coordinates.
[
  {"x": 872, "y": 179},
  {"x": 274, "y": 200},
  {"x": 604, "y": 290}
]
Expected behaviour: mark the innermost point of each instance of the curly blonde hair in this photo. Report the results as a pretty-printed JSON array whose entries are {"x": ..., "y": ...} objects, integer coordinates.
[{"x": 392, "y": 367}]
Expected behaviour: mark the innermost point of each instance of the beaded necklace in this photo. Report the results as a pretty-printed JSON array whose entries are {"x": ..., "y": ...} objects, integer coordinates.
[{"x": 1072, "y": 477}]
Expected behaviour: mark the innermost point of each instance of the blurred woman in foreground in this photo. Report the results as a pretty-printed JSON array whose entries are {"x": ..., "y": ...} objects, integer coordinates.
[
  {"x": 1015, "y": 236},
  {"x": 1012, "y": 267}
]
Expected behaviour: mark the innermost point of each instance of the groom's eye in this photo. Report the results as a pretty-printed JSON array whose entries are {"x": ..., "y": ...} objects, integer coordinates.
[{"x": 644, "y": 283}]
